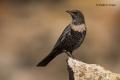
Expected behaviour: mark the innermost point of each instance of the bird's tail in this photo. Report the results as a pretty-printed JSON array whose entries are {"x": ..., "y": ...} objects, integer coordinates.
[{"x": 47, "y": 59}]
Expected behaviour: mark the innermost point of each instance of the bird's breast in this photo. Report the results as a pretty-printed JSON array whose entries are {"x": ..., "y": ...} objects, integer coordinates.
[{"x": 78, "y": 28}]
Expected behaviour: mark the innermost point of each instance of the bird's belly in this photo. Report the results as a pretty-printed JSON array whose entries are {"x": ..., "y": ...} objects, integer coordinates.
[{"x": 72, "y": 42}]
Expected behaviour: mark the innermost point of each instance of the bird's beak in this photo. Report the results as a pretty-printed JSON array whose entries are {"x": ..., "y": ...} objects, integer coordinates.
[{"x": 68, "y": 11}]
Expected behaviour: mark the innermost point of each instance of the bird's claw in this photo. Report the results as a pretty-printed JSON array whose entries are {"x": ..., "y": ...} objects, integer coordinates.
[{"x": 69, "y": 54}]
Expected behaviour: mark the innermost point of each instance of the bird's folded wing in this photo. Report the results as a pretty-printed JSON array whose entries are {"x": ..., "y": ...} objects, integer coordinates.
[{"x": 62, "y": 37}]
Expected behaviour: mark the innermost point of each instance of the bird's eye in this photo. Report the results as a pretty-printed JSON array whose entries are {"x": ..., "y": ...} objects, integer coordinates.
[{"x": 75, "y": 13}]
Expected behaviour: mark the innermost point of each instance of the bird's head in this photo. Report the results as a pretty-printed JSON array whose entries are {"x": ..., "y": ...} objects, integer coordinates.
[{"x": 77, "y": 16}]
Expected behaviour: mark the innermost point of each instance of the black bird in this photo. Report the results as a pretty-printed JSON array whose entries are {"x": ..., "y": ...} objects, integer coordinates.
[{"x": 71, "y": 38}]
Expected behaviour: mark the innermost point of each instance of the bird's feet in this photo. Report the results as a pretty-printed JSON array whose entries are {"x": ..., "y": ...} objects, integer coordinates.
[{"x": 69, "y": 54}]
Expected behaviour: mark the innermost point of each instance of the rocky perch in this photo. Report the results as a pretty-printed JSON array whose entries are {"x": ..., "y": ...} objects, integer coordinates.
[{"x": 82, "y": 71}]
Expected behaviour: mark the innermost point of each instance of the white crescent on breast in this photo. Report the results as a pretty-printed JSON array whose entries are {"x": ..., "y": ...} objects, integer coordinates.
[{"x": 79, "y": 28}]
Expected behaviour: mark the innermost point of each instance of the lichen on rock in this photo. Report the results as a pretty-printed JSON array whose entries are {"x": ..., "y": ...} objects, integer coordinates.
[{"x": 84, "y": 71}]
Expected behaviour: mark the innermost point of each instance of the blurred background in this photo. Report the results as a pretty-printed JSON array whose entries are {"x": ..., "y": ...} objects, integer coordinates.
[{"x": 30, "y": 28}]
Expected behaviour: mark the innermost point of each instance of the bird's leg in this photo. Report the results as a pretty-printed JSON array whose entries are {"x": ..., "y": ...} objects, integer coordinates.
[{"x": 69, "y": 54}]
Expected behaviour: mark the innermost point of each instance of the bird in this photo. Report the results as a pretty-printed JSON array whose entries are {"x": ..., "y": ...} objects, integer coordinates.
[{"x": 71, "y": 38}]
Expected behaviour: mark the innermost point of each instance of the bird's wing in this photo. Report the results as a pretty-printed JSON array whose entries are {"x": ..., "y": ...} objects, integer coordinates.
[{"x": 62, "y": 37}]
